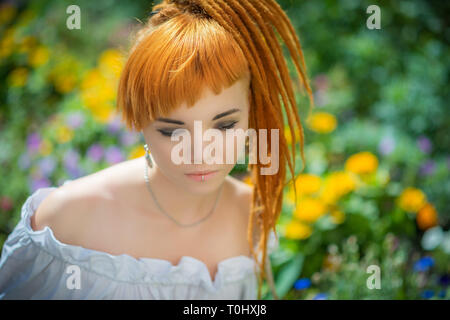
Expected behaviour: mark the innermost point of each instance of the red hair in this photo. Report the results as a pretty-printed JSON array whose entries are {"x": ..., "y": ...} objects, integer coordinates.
[{"x": 193, "y": 44}]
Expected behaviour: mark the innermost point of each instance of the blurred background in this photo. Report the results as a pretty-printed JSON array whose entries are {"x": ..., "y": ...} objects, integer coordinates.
[{"x": 375, "y": 186}]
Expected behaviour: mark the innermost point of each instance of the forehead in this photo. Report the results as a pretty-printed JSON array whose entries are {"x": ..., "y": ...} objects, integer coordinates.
[{"x": 210, "y": 104}]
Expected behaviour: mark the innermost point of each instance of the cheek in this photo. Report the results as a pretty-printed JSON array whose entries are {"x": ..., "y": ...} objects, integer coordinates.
[
  {"x": 160, "y": 149},
  {"x": 235, "y": 145}
]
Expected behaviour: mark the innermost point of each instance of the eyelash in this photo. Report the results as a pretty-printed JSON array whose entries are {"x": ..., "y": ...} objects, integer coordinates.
[{"x": 223, "y": 128}]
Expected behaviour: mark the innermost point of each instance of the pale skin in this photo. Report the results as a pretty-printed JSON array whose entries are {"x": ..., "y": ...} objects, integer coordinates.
[{"x": 112, "y": 211}]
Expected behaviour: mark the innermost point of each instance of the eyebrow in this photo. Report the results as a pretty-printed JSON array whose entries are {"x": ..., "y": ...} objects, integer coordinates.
[{"x": 218, "y": 116}]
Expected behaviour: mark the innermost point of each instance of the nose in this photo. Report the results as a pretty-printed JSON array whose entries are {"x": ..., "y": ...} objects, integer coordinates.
[
  {"x": 206, "y": 151},
  {"x": 204, "y": 147}
]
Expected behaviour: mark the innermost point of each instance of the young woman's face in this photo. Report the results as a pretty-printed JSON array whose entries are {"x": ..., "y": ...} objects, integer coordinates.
[{"x": 228, "y": 110}]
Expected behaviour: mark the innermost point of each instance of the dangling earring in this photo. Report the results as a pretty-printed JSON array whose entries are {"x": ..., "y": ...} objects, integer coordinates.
[
  {"x": 147, "y": 156},
  {"x": 247, "y": 151}
]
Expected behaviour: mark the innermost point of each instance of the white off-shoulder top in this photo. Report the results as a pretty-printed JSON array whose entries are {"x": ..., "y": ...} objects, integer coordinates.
[{"x": 36, "y": 265}]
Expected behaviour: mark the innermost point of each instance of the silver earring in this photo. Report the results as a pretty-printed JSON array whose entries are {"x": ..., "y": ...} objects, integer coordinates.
[{"x": 147, "y": 156}]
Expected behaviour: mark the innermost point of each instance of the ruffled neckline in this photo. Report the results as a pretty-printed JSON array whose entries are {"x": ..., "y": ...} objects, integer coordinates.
[{"x": 126, "y": 268}]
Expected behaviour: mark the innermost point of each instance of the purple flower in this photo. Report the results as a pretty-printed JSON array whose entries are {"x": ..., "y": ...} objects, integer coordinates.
[
  {"x": 39, "y": 183},
  {"x": 386, "y": 145},
  {"x": 115, "y": 125},
  {"x": 47, "y": 165},
  {"x": 114, "y": 155},
  {"x": 424, "y": 264},
  {"x": 321, "y": 82},
  {"x": 36, "y": 173},
  {"x": 71, "y": 159},
  {"x": 75, "y": 172},
  {"x": 321, "y": 98},
  {"x": 24, "y": 161},
  {"x": 424, "y": 144},
  {"x": 95, "y": 152},
  {"x": 427, "y": 168},
  {"x": 33, "y": 142},
  {"x": 302, "y": 283},
  {"x": 128, "y": 138},
  {"x": 75, "y": 119}
]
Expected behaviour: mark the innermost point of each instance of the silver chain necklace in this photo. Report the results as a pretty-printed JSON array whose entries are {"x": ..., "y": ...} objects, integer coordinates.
[{"x": 169, "y": 216}]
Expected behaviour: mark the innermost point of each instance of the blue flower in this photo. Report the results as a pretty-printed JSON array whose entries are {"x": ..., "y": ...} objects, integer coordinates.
[
  {"x": 424, "y": 264},
  {"x": 302, "y": 283},
  {"x": 427, "y": 294},
  {"x": 320, "y": 296},
  {"x": 444, "y": 280}
]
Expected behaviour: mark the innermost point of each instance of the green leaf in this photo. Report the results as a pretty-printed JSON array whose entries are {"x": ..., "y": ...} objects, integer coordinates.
[{"x": 287, "y": 275}]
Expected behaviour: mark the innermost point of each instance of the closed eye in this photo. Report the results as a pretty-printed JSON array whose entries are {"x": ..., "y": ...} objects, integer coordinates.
[
  {"x": 167, "y": 133},
  {"x": 228, "y": 126},
  {"x": 223, "y": 127}
]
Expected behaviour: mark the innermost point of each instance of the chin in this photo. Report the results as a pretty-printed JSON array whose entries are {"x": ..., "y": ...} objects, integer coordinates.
[{"x": 211, "y": 184}]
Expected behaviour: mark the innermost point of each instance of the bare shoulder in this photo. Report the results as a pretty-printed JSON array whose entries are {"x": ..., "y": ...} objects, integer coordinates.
[{"x": 71, "y": 207}]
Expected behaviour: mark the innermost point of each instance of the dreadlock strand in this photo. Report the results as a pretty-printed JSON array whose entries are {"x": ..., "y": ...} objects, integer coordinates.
[
  {"x": 286, "y": 88},
  {"x": 290, "y": 37},
  {"x": 285, "y": 19},
  {"x": 273, "y": 57}
]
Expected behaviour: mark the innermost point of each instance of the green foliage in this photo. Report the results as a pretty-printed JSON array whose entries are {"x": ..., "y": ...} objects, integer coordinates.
[{"x": 384, "y": 94}]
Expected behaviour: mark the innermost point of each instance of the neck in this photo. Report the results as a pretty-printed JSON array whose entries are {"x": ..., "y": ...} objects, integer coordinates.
[{"x": 182, "y": 205}]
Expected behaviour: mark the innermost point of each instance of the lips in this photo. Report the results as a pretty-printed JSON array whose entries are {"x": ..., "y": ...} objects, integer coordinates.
[
  {"x": 202, "y": 175},
  {"x": 201, "y": 172}
]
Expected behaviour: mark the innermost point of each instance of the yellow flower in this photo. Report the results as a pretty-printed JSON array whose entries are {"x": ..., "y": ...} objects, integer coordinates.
[
  {"x": 7, "y": 43},
  {"x": 361, "y": 163},
  {"x": 64, "y": 134},
  {"x": 137, "y": 152},
  {"x": 45, "y": 148},
  {"x": 102, "y": 112},
  {"x": 96, "y": 89},
  {"x": 99, "y": 85},
  {"x": 111, "y": 61},
  {"x": 7, "y": 13},
  {"x": 65, "y": 83},
  {"x": 337, "y": 216},
  {"x": 92, "y": 78},
  {"x": 310, "y": 209},
  {"x": 336, "y": 185},
  {"x": 412, "y": 200},
  {"x": 248, "y": 180},
  {"x": 427, "y": 217},
  {"x": 27, "y": 44},
  {"x": 18, "y": 77},
  {"x": 39, "y": 56},
  {"x": 288, "y": 135},
  {"x": 322, "y": 122},
  {"x": 65, "y": 74},
  {"x": 297, "y": 230},
  {"x": 307, "y": 183}
]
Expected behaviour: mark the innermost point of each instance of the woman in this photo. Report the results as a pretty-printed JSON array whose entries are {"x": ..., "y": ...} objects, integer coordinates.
[{"x": 152, "y": 228}]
